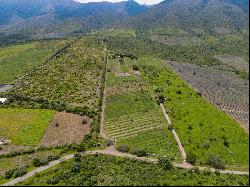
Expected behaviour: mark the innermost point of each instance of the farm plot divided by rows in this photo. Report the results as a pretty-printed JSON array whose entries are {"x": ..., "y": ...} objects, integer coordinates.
[
  {"x": 73, "y": 77},
  {"x": 132, "y": 116},
  {"x": 203, "y": 129},
  {"x": 224, "y": 89},
  {"x": 15, "y": 60}
]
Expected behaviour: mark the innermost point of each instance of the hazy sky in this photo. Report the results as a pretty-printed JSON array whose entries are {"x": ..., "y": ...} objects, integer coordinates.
[{"x": 149, "y": 2}]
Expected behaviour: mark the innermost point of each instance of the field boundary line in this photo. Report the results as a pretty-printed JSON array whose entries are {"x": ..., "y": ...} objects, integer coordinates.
[{"x": 177, "y": 139}]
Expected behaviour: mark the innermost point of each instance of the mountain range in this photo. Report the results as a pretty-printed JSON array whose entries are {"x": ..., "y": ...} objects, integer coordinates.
[{"x": 58, "y": 18}]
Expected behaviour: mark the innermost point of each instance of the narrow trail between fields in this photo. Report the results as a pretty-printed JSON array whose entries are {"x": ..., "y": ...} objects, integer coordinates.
[
  {"x": 102, "y": 117},
  {"x": 177, "y": 139}
]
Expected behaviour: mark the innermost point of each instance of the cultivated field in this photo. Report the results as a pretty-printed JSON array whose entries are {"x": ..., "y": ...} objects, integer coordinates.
[
  {"x": 15, "y": 60},
  {"x": 224, "y": 89},
  {"x": 66, "y": 128},
  {"x": 203, "y": 129},
  {"x": 73, "y": 77},
  {"x": 24, "y": 126},
  {"x": 132, "y": 116}
]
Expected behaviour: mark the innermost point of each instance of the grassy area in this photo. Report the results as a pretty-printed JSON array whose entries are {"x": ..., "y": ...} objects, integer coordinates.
[
  {"x": 132, "y": 116},
  {"x": 15, "y": 60},
  {"x": 24, "y": 126},
  {"x": 203, "y": 129},
  {"x": 111, "y": 171},
  {"x": 73, "y": 77}
]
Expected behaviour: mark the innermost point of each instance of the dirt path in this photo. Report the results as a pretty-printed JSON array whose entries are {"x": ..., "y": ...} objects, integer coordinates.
[
  {"x": 102, "y": 117},
  {"x": 177, "y": 139},
  {"x": 113, "y": 152}
]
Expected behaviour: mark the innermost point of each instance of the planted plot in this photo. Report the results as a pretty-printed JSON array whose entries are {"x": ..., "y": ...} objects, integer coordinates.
[
  {"x": 121, "y": 77},
  {"x": 223, "y": 89},
  {"x": 203, "y": 129},
  {"x": 15, "y": 60},
  {"x": 73, "y": 77},
  {"x": 24, "y": 126},
  {"x": 236, "y": 62},
  {"x": 132, "y": 117}
]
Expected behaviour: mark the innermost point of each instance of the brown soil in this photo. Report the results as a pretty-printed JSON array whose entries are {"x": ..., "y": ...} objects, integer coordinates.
[{"x": 66, "y": 128}]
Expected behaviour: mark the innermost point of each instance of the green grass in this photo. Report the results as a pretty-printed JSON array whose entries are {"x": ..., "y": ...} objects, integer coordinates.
[
  {"x": 24, "y": 126},
  {"x": 15, "y": 60},
  {"x": 73, "y": 77},
  {"x": 111, "y": 171},
  {"x": 202, "y": 128}
]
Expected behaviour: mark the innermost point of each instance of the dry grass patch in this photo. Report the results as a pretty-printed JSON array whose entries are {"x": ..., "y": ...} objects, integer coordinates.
[{"x": 66, "y": 128}]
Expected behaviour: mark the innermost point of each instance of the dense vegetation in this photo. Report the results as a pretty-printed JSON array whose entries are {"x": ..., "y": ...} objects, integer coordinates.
[
  {"x": 24, "y": 126},
  {"x": 103, "y": 170},
  {"x": 72, "y": 77}
]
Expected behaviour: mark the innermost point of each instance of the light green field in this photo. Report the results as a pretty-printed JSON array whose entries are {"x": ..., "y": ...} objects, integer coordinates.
[
  {"x": 202, "y": 128},
  {"x": 24, "y": 126},
  {"x": 15, "y": 60}
]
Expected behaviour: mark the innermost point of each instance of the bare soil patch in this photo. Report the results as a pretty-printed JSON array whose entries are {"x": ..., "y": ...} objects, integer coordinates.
[{"x": 66, "y": 128}]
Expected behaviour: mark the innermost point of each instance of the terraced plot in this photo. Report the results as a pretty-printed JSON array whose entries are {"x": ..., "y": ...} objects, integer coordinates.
[
  {"x": 223, "y": 89},
  {"x": 73, "y": 77},
  {"x": 132, "y": 116}
]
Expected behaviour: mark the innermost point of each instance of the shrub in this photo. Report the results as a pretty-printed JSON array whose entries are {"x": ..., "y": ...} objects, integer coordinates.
[
  {"x": 216, "y": 162},
  {"x": 81, "y": 147},
  {"x": 36, "y": 162},
  {"x": 160, "y": 99},
  {"x": 135, "y": 67},
  {"x": 123, "y": 148},
  {"x": 18, "y": 172},
  {"x": 77, "y": 157},
  {"x": 192, "y": 158},
  {"x": 139, "y": 152},
  {"x": 76, "y": 167},
  {"x": 166, "y": 163},
  {"x": 9, "y": 174}
]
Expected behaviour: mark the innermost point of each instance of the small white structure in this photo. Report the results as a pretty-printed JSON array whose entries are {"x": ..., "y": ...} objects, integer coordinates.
[{"x": 2, "y": 100}]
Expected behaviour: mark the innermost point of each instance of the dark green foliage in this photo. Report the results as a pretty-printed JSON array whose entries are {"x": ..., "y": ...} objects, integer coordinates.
[
  {"x": 192, "y": 158},
  {"x": 165, "y": 163},
  {"x": 139, "y": 152},
  {"x": 123, "y": 148},
  {"x": 44, "y": 161},
  {"x": 77, "y": 157},
  {"x": 18, "y": 172},
  {"x": 216, "y": 162},
  {"x": 135, "y": 67},
  {"x": 9, "y": 174}
]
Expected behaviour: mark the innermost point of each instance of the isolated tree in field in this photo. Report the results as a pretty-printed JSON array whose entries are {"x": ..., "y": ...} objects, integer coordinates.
[
  {"x": 216, "y": 162},
  {"x": 191, "y": 158}
]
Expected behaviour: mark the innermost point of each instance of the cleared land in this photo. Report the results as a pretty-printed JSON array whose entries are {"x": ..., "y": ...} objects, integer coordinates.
[
  {"x": 66, "y": 128},
  {"x": 132, "y": 116},
  {"x": 224, "y": 89},
  {"x": 73, "y": 77},
  {"x": 104, "y": 170},
  {"x": 203, "y": 129},
  {"x": 24, "y": 126},
  {"x": 15, "y": 60}
]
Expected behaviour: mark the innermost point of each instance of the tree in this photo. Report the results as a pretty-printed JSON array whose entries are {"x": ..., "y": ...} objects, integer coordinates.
[
  {"x": 165, "y": 163},
  {"x": 192, "y": 158},
  {"x": 216, "y": 162}
]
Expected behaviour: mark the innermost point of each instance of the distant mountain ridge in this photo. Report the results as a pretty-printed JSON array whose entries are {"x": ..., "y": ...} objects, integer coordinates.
[{"x": 58, "y": 18}]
